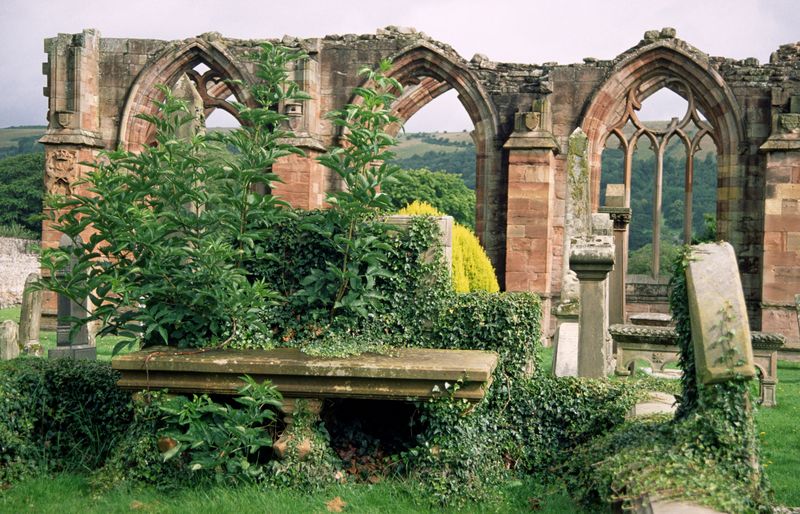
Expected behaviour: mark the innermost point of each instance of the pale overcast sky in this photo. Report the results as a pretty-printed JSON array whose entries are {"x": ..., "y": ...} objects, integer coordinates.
[{"x": 530, "y": 31}]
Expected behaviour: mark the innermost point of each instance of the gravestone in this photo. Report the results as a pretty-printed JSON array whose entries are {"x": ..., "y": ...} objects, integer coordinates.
[
  {"x": 565, "y": 356},
  {"x": 30, "y": 317},
  {"x": 70, "y": 343},
  {"x": 9, "y": 348},
  {"x": 720, "y": 329}
]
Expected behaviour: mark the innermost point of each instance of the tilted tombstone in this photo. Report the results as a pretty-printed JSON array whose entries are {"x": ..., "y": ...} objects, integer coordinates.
[
  {"x": 720, "y": 329},
  {"x": 71, "y": 344},
  {"x": 30, "y": 317},
  {"x": 9, "y": 348}
]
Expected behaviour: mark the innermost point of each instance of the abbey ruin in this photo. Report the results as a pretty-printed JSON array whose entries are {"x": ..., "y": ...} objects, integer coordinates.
[{"x": 523, "y": 116}]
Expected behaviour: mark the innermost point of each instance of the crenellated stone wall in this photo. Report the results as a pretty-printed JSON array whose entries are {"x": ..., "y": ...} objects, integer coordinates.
[{"x": 523, "y": 116}]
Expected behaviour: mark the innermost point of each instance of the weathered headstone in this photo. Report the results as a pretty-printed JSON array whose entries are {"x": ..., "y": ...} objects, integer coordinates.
[
  {"x": 720, "y": 329},
  {"x": 9, "y": 348},
  {"x": 565, "y": 356},
  {"x": 30, "y": 317},
  {"x": 69, "y": 343}
]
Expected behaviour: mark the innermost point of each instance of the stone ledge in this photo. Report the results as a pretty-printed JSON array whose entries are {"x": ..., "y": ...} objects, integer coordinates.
[{"x": 409, "y": 373}]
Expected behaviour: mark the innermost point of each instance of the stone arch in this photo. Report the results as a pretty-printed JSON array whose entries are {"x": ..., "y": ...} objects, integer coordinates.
[
  {"x": 166, "y": 68},
  {"x": 650, "y": 68},
  {"x": 427, "y": 72}
]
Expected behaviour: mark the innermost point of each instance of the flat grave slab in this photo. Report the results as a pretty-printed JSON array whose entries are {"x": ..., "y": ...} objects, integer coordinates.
[{"x": 406, "y": 373}]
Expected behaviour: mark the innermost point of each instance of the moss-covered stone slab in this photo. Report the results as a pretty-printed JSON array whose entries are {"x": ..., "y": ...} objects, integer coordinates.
[
  {"x": 720, "y": 329},
  {"x": 408, "y": 373}
]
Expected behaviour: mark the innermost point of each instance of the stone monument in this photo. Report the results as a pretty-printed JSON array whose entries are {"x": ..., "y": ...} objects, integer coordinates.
[
  {"x": 30, "y": 317},
  {"x": 71, "y": 343}
]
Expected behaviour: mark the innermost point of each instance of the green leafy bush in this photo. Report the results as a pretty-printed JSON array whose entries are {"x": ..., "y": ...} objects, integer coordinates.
[
  {"x": 224, "y": 440},
  {"x": 58, "y": 415},
  {"x": 173, "y": 227}
]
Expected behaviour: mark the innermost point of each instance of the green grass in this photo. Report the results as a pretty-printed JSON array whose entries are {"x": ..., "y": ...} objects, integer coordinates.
[
  {"x": 71, "y": 493},
  {"x": 105, "y": 345},
  {"x": 780, "y": 436}
]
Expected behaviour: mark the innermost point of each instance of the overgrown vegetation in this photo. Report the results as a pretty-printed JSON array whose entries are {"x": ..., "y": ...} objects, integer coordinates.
[
  {"x": 444, "y": 191},
  {"x": 186, "y": 254},
  {"x": 472, "y": 269},
  {"x": 58, "y": 415},
  {"x": 708, "y": 453}
]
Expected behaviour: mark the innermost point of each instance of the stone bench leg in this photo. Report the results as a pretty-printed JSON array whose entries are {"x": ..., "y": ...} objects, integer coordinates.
[
  {"x": 768, "y": 396},
  {"x": 291, "y": 406}
]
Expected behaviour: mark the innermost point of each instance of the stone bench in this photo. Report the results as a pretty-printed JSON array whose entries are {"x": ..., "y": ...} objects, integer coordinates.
[
  {"x": 658, "y": 346},
  {"x": 405, "y": 374}
]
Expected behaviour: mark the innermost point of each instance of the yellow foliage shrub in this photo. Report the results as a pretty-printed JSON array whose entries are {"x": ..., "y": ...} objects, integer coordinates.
[{"x": 472, "y": 270}]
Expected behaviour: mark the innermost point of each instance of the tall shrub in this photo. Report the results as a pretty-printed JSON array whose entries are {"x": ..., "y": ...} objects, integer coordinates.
[
  {"x": 472, "y": 269},
  {"x": 169, "y": 231}
]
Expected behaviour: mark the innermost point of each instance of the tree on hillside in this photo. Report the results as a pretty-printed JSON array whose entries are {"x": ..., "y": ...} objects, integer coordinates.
[
  {"x": 21, "y": 188},
  {"x": 444, "y": 191},
  {"x": 460, "y": 162}
]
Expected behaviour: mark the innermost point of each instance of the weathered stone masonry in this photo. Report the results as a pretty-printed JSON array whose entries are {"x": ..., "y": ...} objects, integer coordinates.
[{"x": 523, "y": 115}]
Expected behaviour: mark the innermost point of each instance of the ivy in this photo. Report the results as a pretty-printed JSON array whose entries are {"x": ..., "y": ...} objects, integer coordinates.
[{"x": 707, "y": 454}]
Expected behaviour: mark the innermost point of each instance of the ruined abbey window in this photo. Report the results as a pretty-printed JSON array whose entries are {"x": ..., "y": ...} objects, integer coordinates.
[{"x": 661, "y": 148}]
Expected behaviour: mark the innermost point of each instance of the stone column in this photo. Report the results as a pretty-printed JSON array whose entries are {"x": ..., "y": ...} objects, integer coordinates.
[
  {"x": 621, "y": 217},
  {"x": 73, "y": 131},
  {"x": 304, "y": 181},
  {"x": 591, "y": 258},
  {"x": 781, "y": 262},
  {"x": 529, "y": 234},
  {"x": 577, "y": 223}
]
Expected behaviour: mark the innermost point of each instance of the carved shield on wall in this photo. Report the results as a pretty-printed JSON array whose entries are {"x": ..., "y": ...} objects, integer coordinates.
[{"x": 61, "y": 171}]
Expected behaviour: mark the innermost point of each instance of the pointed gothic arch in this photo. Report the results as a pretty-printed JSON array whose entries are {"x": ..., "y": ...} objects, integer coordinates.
[
  {"x": 167, "y": 68},
  {"x": 427, "y": 72},
  {"x": 645, "y": 71}
]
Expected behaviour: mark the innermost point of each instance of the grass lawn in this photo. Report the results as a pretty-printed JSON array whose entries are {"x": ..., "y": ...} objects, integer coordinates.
[
  {"x": 780, "y": 436},
  {"x": 71, "y": 493}
]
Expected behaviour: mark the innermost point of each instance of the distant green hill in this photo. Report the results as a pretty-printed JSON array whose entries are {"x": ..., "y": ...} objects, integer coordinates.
[
  {"x": 453, "y": 152},
  {"x": 20, "y": 140}
]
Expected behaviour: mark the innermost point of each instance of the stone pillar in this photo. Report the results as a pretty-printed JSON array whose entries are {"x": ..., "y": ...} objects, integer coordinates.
[
  {"x": 591, "y": 258},
  {"x": 30, "y": 316},
  {"x": 577, "y": 223},
  {"x": 529, "y": 234},
  {"x": 621, "y": 217},
  {"x": 781, "y": 262},
  {"x": 304, "y": 181},
  {"x": 73, "y": 131},
  {"x": 69, "y": 343}
]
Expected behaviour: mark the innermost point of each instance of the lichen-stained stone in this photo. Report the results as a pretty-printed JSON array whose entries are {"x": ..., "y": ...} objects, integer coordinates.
[
  {"x": 720, "y": 328},
  {"x": 406, "y": 373},
  {"x": 9, "y": 348}
]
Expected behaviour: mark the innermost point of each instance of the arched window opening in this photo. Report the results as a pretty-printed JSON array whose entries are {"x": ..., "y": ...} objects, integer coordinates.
[
  {"x": 436, "y": 152},
  {"x": 661, "y": 114}
]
